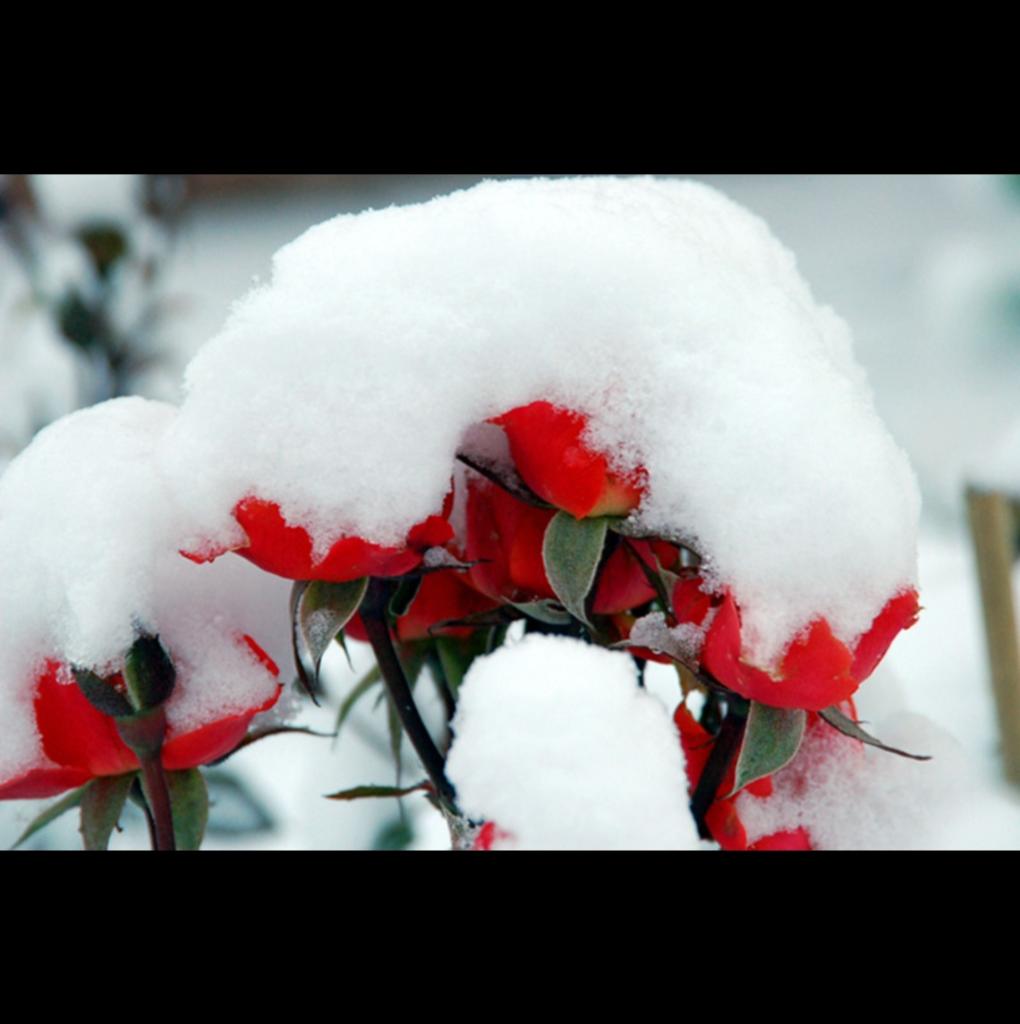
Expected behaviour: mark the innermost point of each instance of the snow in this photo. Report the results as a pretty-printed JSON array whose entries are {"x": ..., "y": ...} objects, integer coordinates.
[
  {"x": 665, "y": 312},
  {"x": 852, "y": 797},
  {"x": 864, "y": 243},
  {"x": 556, "y": 744},
  {"x": 90, "y": 555}
]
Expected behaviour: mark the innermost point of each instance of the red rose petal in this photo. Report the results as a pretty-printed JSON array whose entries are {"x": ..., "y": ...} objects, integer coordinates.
[
  {"x": 38, "y": 783},
  {"x": 545, "y": 441},
  {"x": 75, "y": 734},
  {"x": 899, "y": 613},
  {"x": 286, "y": 550}
]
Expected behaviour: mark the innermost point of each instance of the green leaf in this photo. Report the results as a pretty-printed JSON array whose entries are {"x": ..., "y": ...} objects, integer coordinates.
[
  {"x": 273, "y": 730},
  {"x": 361, "y": 792},
  {"x": 545, "y": 611},
  {"x": 234, "y": 810},
  {"x": 149, "y": 673},
  {"x": 771, "y": 739},
  {"x": 102, "y": 696},
  {"x": 571, "y": 552},
  {"x": 320, "y": 610},
  {"x": 396, "y": 732},
  {"x": 101, "y": 806},
  {"x": 360, "y": 688},
  {"x": 848, "y": 727},
  {"x": 51, "y": 813},
  {"x": 403, "y": 597},
  {"x": 452, "y": 662},
  {"x": 189, "y": 804}
]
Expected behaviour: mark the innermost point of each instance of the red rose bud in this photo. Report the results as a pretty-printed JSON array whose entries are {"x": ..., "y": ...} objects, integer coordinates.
[
  {"x": 817, "y": 670},
  {"x": 81, "y": 743},
  {"x": 545, "y": 441},
  {"x": 442, "y": 597},
  {"x": 286, "y": 550}
]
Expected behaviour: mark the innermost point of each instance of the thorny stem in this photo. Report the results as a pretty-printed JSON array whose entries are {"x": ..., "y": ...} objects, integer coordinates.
[
  {"x": 373, "y": 615},
  {"x": 725, "y": 749}
]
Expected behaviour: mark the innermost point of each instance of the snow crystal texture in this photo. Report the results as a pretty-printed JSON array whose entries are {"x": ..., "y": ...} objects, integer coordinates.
[
  {"x": 558, "y": 746},
  {"x": 90, "y": 555},
  {"x": 663, "y": 311}
]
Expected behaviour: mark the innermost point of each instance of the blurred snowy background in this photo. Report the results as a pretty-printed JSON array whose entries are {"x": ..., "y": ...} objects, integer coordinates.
[{"x": 108, "y": 285}]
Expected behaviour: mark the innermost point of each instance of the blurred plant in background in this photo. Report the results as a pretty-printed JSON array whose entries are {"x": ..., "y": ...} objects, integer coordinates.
[{"x": 83, "y": 311}]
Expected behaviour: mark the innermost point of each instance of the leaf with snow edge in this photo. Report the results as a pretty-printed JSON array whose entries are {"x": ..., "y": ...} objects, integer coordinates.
[
  {"x": 51, "y": 813},
  {"x": 149, "y": 674},
  {"x": 102, "y": 802},
  {"x": 545, "y": 611},
  {"x": 189, "y": 803},
  {"x": 848, "y": 727},
  {"x": 102, "y": 696},
  {"x": 319, "y": 611},
  {"x": 361, "y": 792},
  {"x": 571, "y": 552},
  {"x": 361, "y": 687},
  {"x": 771, "y": 740}
]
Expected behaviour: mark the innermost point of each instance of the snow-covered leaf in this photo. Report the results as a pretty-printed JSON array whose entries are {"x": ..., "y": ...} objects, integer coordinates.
[{"x": 571, "y": 551}]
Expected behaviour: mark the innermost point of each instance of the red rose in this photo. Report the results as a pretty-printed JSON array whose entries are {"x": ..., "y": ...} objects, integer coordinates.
[
  {"x": 286, "y": 550},
  {"x": 80, "y": 743},
  {"x": 545, "y": 441},
  {"x": 817, "y": 670}
]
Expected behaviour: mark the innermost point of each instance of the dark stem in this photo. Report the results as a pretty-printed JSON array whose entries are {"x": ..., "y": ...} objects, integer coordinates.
[
  {"x": 727, "y": 745},
  {"x": 373, "y": 616},
  {"x": 157, "y": 794}
]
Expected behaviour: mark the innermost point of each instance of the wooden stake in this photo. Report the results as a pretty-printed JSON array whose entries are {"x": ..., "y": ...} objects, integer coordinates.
[{"x": 993, "y": 525}]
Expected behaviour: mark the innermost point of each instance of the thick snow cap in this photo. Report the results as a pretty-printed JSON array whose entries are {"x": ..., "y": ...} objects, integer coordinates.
[{"x": 660, "y": 309}]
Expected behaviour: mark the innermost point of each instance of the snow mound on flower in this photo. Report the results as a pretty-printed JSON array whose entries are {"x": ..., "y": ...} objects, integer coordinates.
[
  {"x": 852, "y": 797},
  {"x": 556, "y": 744},
  {"x": 665, "y": 312},
  {"x": 89, "y": 557}
]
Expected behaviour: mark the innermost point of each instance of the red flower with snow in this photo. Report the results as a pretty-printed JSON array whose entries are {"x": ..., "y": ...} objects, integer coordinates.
[
  {"x": 817, "y": 670},
  {"x": 80, "y": 743},
  {"x": 553, "y": 460},
  {"x": 286, "y": 550}
]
